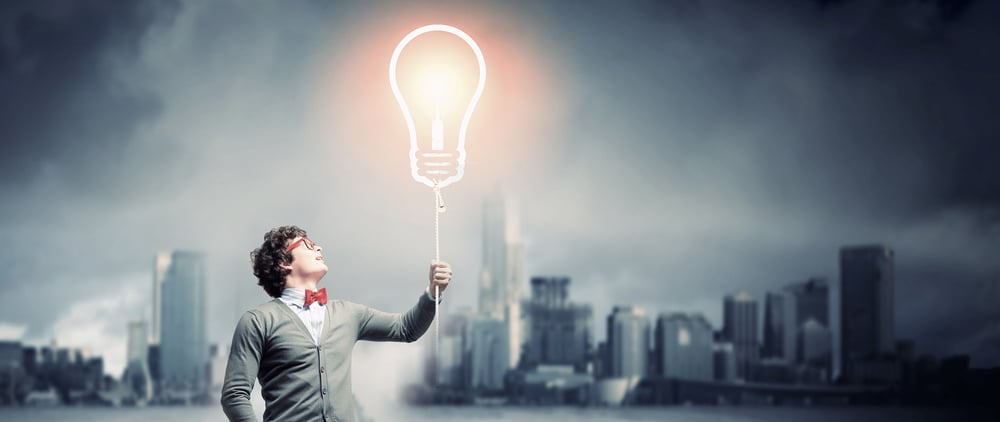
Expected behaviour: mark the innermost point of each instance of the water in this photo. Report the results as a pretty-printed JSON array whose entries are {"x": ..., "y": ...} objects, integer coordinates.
[{"x": 559, "y": 414}]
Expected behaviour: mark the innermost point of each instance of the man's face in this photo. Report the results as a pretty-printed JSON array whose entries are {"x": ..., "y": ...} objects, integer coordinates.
[{"x": 307, "y": 258}]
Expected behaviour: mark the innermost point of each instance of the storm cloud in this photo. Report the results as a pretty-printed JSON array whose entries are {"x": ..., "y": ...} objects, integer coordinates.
[{"x": 663, "y": 154}]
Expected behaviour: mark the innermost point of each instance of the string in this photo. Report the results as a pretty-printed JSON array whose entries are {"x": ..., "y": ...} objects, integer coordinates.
[{"x": 438, "y": 209}]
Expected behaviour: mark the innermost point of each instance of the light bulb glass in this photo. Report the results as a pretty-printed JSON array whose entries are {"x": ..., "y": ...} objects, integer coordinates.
[{"x": 435, "y": 165}]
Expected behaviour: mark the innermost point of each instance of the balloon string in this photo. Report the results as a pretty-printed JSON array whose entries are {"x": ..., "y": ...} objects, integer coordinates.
[{"x": 438, "y": 209}]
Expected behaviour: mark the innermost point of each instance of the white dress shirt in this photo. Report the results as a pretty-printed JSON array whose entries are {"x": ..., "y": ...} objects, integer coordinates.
[{"x": 312, "y": 316}]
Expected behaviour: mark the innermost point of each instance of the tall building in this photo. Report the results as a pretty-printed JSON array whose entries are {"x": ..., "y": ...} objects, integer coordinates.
[
  {"x": 600, "y": 368},
  {"x": 815, "y": 345},
  {"x": 450, "y": 366},
  {"x": 550, "y": 292},
  {"x": 11, "y": 354},
  {"x": 866, "y": 304},
  {"x": 812, "y": 315},
  {"x": 63, "y": 357},
  {"x": 30, "y": 360},
  {"x": 683, "y": 347},
  {"x": 492, "y": 291},
  {"x": 780, "y": 326},
  {"x": 513, "y": 310},
  {"x": 136, "y": 375},
  {"x": 48, "y": 356},
  {"x": 555, "y": 363},
  {"x": 153, "y": 354},
  {"x": 723, "y": 361},
  {"x": 92, "y": 373},
  {"x": 138, "y": 342},
  {"x": 628, "y": 342},
  {"x": 488, "y": 350},
  {"x": 739, "y": 316},
  {"x": 502, "y": 274},
  {"x": 500, "y": 282},
  {"x": 183, "y": 340},
  {"x": 161, "y": 264},
  {"x": 812, "y": 300},
  {"x": 558, "y": 331}
]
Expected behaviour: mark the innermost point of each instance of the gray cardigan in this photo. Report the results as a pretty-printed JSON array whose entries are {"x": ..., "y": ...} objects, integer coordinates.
[{"x": 302, "y": 381}]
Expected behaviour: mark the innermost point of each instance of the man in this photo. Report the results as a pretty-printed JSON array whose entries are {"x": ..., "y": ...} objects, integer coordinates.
[{"x": 299, "y": 344}]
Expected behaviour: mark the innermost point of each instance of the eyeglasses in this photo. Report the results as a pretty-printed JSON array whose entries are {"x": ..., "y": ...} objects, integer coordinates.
[{"x": 303, "y": 240}]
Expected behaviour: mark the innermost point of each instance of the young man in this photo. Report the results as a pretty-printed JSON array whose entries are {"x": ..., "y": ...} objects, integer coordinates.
[{"x": 299, "y": 344}]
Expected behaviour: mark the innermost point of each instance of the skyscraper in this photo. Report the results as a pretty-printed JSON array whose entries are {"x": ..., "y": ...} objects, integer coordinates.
[
  {"x": 138, "y": 342},
  {"x": 161, "y": 264},
  {"x": 558, "y": 331},
  {"x": 492, "y": 292},
  {"x": 450, "y": 366},
  {"x": 497, "y": 284},
  {"x": 780, "y": 325},
  {"x": 550, "y": 292},
  {"x": 724, "y": 361},
  {"x": 513, "y": 312},
  {"x": 866, "y": 304},
  {"x": 812, "y": 306},
  {"x": 183, "y": 341},
  {"x": 488, "y": 353},
  {"x": 136, "y": 375},
  {"x": 628, "y": 342},
  {"x": 502, "y": 274},
  {"x": 30, "y": 360},
  {"x": 812, "y": 300},
  {"x": 683, "y": 346},
  {"x": 11, "y": 354},
  {"x": 815, "y": 344},
  {"x": 739, "y": 316}
]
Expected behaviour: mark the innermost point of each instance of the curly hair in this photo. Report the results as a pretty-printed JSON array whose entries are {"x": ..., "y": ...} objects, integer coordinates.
[{"x": 269, "y": 255}]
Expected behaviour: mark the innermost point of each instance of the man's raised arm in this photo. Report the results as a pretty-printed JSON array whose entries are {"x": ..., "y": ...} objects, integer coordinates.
[{"x": 375, "y": 325}]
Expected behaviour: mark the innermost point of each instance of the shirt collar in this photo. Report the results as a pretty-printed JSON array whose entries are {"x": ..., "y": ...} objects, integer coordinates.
[{"x": 293, "y": 296}]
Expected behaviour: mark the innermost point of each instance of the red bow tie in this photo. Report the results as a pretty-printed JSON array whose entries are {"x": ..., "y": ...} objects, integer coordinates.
[{"x": 317, "y": 296}]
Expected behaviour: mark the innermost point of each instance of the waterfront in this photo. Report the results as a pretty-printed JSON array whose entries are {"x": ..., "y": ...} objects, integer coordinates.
[{"x": 451, "y": 413}]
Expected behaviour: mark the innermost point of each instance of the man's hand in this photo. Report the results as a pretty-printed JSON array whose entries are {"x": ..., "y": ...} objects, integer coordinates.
[{"x": 440, "y": 276}]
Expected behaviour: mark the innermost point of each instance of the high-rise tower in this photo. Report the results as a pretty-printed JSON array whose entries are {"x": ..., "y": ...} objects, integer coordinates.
[
  {"x": 866, "y": 304},
  {"x": 183, "y": 339}
]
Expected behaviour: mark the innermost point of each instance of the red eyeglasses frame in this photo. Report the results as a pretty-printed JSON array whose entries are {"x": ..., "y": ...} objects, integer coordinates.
[{"x": 311, "y": 245}]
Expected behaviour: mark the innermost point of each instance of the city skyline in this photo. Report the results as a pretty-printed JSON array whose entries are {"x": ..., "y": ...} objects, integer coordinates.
[
  {"x": 684, "y": 360},
  {"x": 163, "y": 262},
  {"x": 686, "y": 151},
  {"x": 558, "y": 347},
  {"x": 804, "y": 305}
]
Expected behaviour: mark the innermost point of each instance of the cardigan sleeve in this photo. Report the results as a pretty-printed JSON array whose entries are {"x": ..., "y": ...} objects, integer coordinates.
[
  {"x": 241, "y": 370},
  {"x": 375, "y": 325}
]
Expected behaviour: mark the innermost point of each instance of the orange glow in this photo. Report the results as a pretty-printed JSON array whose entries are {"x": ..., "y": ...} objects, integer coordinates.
[{"x": 518, "y": 116}]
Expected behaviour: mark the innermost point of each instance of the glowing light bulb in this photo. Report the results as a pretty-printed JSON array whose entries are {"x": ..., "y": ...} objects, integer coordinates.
[{"x": 435, "y": 166}]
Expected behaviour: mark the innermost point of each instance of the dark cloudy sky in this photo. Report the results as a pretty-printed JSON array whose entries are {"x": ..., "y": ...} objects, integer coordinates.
[{"x": 664, "y": 153}]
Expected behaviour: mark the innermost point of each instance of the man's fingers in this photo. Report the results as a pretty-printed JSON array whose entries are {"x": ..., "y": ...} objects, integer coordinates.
[
  {"x": 440, "y": 273},
  {"x": 440, "y": 266}
]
